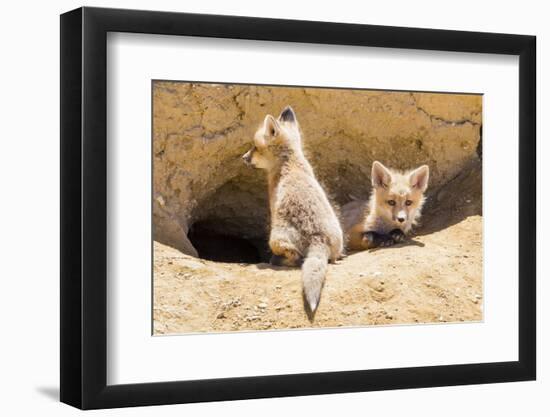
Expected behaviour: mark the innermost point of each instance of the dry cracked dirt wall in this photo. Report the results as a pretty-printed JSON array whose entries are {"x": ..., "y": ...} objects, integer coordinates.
[{"x": 207, "y": 203}]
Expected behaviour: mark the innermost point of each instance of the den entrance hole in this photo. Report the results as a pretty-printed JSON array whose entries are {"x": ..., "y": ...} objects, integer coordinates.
[
  {"x": 215, "y": 242},
  {"x": 230, "y": 224}
]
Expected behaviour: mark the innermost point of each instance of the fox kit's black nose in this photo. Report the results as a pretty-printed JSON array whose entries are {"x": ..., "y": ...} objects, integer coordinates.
[
  {"x": 401, "y": 219},
  {"x": 247, "y": 157}
]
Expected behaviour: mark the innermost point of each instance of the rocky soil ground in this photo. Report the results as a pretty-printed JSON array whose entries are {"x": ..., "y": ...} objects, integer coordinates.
[{"x": 436, "y": 277}]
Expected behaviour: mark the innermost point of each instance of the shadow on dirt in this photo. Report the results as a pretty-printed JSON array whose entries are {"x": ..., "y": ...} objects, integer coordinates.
[{"x": 460, "y": 198}]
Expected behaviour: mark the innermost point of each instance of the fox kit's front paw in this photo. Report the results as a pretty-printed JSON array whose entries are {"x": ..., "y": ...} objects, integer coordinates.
[
  {"x": 375, "y": 240},
  {"x": 370, "y": 239},
  {"x": 397, "y": 235}
]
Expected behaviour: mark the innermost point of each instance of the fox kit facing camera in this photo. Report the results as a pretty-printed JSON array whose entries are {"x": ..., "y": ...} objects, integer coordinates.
[
  {"x": 394, "y": 207},
  {"x": 304, "y": 228}
]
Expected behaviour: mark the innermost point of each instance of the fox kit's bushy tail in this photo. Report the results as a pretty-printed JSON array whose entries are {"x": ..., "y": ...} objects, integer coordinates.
[{"x": 314, "y": 270}]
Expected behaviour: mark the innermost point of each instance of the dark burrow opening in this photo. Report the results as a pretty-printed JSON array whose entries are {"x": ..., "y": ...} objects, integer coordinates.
[{"x": 215, "y": 243}]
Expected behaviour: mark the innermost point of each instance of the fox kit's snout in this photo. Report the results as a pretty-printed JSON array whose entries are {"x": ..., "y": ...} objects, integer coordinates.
[
  {"x": 394, "y": 207},
  {"x": 247, "y": 157},
  {"x": 304, "y": 228}
]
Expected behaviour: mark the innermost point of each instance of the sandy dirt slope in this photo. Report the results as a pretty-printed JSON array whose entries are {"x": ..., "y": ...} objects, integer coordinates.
[{"x": 436, "y": 277}]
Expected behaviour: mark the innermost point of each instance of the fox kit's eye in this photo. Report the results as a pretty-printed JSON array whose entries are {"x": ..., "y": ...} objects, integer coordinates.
[
  {"x": 391, "y": 202},
  {"x": 408, "y": 202}
]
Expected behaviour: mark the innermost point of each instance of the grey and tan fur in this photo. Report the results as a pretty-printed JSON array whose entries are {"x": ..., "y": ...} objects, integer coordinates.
[
  {"x": 304, "y": 228},
  {"x": 393, "y": 208}
]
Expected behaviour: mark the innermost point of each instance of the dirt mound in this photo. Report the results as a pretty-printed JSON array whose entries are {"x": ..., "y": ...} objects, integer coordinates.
[{"x": 436, "y": 277}]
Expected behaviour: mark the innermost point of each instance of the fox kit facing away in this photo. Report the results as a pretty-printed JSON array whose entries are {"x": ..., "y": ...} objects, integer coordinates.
[
  {"x": 394, "y": 207},
  {"x": 304, "y": 228}
]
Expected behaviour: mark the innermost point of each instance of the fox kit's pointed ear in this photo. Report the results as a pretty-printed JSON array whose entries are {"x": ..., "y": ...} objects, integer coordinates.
[
  {"x": 380, "y": 176},
  {"x": 287, "y": 115},
  {"x": 419, "y": 177},
  {"x": 271, "y": 126}
]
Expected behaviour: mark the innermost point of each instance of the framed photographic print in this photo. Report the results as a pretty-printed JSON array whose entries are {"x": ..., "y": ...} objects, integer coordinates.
[{"x": 256, "y": 208}]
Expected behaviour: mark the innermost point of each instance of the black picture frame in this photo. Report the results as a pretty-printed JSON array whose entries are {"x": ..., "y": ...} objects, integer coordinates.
[{"x": 84, "y": 207}]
